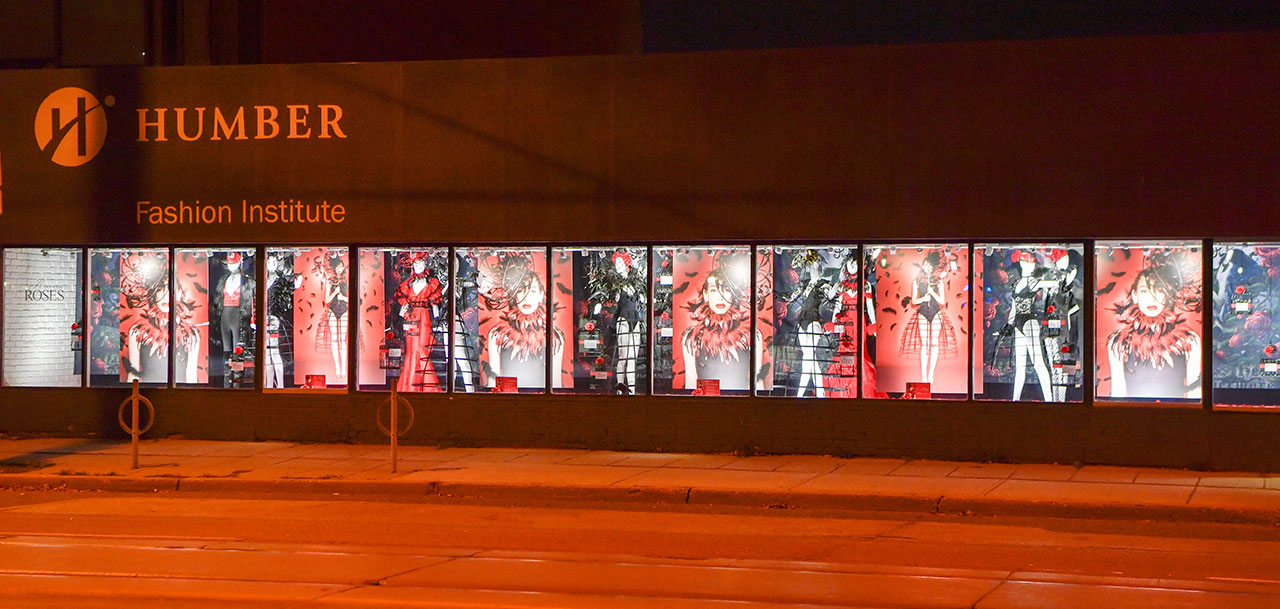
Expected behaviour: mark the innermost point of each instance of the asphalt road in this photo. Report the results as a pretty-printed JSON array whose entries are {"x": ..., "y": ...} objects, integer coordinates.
[{"x": 92, "y": 549}]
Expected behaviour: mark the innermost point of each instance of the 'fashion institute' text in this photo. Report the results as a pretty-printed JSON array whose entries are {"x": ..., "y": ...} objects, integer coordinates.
[{"x": 282, "y": 212}]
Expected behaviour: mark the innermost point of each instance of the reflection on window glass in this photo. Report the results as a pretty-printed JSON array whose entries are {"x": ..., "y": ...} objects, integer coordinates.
[
  {"x": 403, "y": 322},
  {"x": 215, "y": 297},
  {"x": 1149, "y": 302},
  {"x": 702, "y": 304},
  {"x": 917, "y": 337},
  {"x": 129, "y": 317},
  {"x": 807, "y": 316},
  {"x": 501, "y": 329},
  {"x": 308, "y": 303},
  {"x": 1031, "y": 328},
  {"x": 601, "y": 302},
  {"x": 1246, "y": 297},
  {"x": 43, "y": 310}
]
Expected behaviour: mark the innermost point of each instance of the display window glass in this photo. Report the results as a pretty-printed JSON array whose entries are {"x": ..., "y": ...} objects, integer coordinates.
[
  {"x": 500, "y": 334},
  {"x": 308, "y": 306},
  {"x": 917, "y": 327},
  {"x": 215, "y": 294},
  {"x": 702, "y": 320},
  {"x": 807, "y": 317},
  {"x": 403, "y": 324},
  {"x": 43, "y": 317},
  {"x": 1246, "y": 337},
  {"x": 129, "y": 304},
  {"x": 1148, "y": 321},
  {"x": 601, "y": 302},
  {"x": 1028, "y": 343}
]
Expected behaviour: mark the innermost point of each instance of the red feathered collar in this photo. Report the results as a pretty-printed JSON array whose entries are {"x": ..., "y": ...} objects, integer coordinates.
[
  {"x": 1152, "y": 339},
  {"x": 524, "y": 335},
  {"x": 718, "y": 335}
]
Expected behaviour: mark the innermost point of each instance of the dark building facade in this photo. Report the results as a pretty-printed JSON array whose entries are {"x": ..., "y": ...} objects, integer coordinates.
[{"x": 159, "y": 184}]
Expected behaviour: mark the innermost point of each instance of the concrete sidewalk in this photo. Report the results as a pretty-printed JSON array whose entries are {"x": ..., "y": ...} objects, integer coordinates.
[{"x": 521, "y": 475}]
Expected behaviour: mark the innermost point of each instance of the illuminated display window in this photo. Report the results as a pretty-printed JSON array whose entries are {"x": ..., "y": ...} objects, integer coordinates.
[
  {"x": 601, "y": 303},
  {"x": 43, "y": 317},
  {"x": 215, "y": 330},
  {"x": 916, "y": 329},
  {"x": 500, "y": 332},
  {"x": 128, "y": 325},
  {"x": 403, "y": 325},
  {"x": 702, "y": 320},
  {"x": 1028, "y": 343},
  {"x": 1149, "y": 301},
  {"x": 1246, "y": 338},
  {"x": 308, "y": 305},
  {"x": 807, "y": 317}
]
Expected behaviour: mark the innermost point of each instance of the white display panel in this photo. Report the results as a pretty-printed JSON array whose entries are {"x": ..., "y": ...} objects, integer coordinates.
[{"x": 43, "y": 317}]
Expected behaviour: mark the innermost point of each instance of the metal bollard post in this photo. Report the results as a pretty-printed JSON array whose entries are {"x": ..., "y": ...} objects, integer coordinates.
[
  {"x": 133, "y": 426},
  {"x": 395, "y": 427},
  {"x": 393, "y": 430}
]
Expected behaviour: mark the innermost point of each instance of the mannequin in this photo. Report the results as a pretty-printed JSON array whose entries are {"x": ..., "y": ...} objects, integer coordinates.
[{"x": 231, "y": 311}]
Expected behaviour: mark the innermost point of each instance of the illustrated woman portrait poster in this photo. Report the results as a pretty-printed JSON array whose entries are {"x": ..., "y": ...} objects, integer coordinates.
[
  {"x": 502, "y": 315},
  {"x": 921, "y": 320},
  {"x": 1148, "y": 316},
  {"x": 710, "y": 312}
]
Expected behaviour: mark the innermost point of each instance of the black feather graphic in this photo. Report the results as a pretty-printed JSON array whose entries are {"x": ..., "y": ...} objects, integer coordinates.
[
  {"x": 693, "y": 274},
  {"x": 200, "y": 288},
  {"x": 1107, "y": 290},
  {"x": 1120, "y": 274},
  {"x": 563, "y": 289},
  {"x": 889, "y": 310},
  {"x": 680, "y": 290},
  {"x": 371, "y": 308},
  {"x": 892, "y": 326}
]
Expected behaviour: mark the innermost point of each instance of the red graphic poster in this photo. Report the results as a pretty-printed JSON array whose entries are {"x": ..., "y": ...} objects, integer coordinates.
[
  {"x": 321, "y": 303},
  {"x": 191, "y": 350},
  {"x": 921, "y": 319},
  {"x": 1149, "y": 306},
  {"x": 371, "y": 318},
  {"x": 144, "y": 317}
]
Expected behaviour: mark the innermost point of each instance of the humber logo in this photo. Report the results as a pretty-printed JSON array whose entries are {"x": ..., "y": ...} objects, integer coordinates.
[{"x": 71, "y": 126}]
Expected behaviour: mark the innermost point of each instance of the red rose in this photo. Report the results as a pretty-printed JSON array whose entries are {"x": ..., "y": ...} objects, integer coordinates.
[
  {"x": 1235, "y": 340},
  {"x": 591, "y": 325},
  {"x": 1239, "y": 289},
  {"x": 1066, "y": 349},
  {"x": 1002, "y": 276},
  {"x": 75, "y": 326},
  {"x": 780, "y": 308},
  {"x": 1220, "y": 354},
  {"x": 989, "y": 310},
  {"x": 599, "y": 361},
  {"x": 1051, "y": 309},
  {"x": 1258, "y": 322},
  {"x": 666, "y": 263},
  {"x": 828, "y": 327},
  {"x": 665, "y": 316},
  {"x": 1269, "y": 350},
  {"x": 391, "y": 335},
  {"x": 239, "y": 350}
]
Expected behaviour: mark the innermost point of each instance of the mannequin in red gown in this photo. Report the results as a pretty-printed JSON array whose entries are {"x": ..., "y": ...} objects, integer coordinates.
[{"x": 419, "y": 296}]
